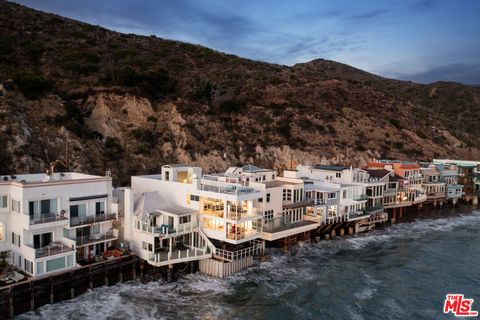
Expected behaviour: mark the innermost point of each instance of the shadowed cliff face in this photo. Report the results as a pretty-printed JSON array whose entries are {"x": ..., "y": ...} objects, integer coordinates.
[{"x": 131, "y": 104}]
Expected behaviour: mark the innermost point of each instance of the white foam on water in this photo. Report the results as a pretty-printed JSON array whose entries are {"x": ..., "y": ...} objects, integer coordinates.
[
  {"x": 412, "y": 230},
  {"x": 200, "y": 296}
]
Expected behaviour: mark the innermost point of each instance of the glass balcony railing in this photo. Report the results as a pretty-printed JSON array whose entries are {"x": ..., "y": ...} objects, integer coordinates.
[
  {"x": 78, "y": 221},
  {"x": 45, "y": 218},
  {"x": 53, "y": 248},
  {"x": 96, "y": 237}
]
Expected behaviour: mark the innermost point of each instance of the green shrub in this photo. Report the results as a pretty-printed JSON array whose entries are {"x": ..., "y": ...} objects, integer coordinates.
[
  {"x": 396, "y": 123},
  {"x": 31, "y": 85},
  {"x": 231, "y": 106}
]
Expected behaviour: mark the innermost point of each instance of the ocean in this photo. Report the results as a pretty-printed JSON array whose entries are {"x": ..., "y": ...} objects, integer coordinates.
[{"x": 401, "y": 272}]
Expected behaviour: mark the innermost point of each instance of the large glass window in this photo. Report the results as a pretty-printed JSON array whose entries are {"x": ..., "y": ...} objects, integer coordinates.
[
  {"x": 78, "y": 210},
  {"x": 55, "y": 264},
  {"x": 42, "y": 240},
  {"x": 38, "y": 207},
  {"x": 100, "y": 207},
  {"x": 4, "y": 202}
]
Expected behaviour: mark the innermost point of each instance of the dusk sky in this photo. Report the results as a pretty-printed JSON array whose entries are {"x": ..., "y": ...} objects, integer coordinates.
[{"x": 418, "y": 40}]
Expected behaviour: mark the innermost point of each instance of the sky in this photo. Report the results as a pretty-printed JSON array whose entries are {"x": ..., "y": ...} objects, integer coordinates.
[{"x": 418, "y": 40}]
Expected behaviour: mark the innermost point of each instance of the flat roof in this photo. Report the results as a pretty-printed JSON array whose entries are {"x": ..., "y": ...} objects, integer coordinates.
[
  {"x": 177, "y": 210},
  {"x": 44, "y": 178},
  {"x": 279, "y": 183},
  {"x": 330, "y": 168}
]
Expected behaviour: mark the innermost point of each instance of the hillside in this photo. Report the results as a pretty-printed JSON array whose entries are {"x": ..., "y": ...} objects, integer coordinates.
[{"x": 132, "y": 103}]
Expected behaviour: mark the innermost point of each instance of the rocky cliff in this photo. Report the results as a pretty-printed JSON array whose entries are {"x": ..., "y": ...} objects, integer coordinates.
[{"x": 132, "y": 103}]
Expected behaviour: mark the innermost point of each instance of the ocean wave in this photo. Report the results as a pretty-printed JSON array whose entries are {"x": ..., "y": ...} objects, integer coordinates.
[{"x": 284, "y": 281}]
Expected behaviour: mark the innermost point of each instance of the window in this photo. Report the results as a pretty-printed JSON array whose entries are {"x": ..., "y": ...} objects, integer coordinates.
[
  {"x": 28, "y": 265},
  {"x": 99, "y": 248},
  {"x": 15, "y": 205},
  {"x": 55, "y": 264},
  {"x": 287, "y": 195},
  {"x": 2, "y": 232},
  {"x": 16, "y": 239},
  {"x": 332, "y": 195},
  {"x": 137, "y": 224},
  {"x": 194, "y": 198},
  {"x": 260, "y": 199},
  {"x": 100, "y": 207},
  {"x": 69, "y": 261},
  {"x": 338, "y": 175},
  {"x": 264, "y": 178},
  {"x": 38, "y": 207},
  {"x": 42, "y": 240},
  {"x": 268, "y": 197},
  {"x": 344, "y": 194},
  {"x": 185, "y": 219},
  {"x": 268, "y": 215},
  {"x": 40, "y": 267},
  {"x": 4, "y": 202},
  {"x": 78, "y": 210}
]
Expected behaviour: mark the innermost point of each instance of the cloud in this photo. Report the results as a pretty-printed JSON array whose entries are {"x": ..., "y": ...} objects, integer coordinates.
[{"x": 457, "y": 72}]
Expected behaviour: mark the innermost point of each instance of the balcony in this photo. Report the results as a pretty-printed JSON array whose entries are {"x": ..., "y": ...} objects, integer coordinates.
[
  {"x": 96, "y": 237},
  {"x": 165, "y": 230},
  {"x": 243, "y": 214},
  {"x": 230, "y": 189},
  {"x": 374, "y": 209},
  {"x": 361, "y": 197},
  {"x": 357, "y": 215},
  {"x": 53, "y": 248},
  {"x": 390, "y": 192},
  {"x": 45, "y": 218},
  {"x": 254, "y": 248},
  {"x": 316, "y": 202},
  {"x": 435, "y": 195},
  {"x": 78, "y": 221}
]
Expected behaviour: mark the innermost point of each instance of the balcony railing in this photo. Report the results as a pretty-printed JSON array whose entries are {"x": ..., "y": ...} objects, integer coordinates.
[
  {"x": 355, "y": 215},
  {"x": 390, "y": 192},
  {"x": 255, "y": 247},
  {"x": 78, "y": 221},
  {"x": 46, "y": 218},
  {"x": 96, "y": 237},
  {"x": 237, "y": 215},
  {"x": 316, "y": 202},
  {"x": 435, "y": 195},
  {"x": 53, "y": 248},
  {"x": 167, "y": 230},
  {"x": 240, "y": 234},
  {"x": 360, "y": 197},
  {"x": 226, "y": 188},
  {"x": 374, "y": 209}
]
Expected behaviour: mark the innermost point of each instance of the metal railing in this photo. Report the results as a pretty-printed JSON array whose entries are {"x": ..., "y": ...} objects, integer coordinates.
[
  {"x": 78, "y": 221},
  {"x": 178, "y": 254},
  {"x": 167, "y": 230},
  {"x": 45, "y": 218},
  {"x": 53, "y": 248},
  {"x": 255, "y": 247},
  {"x": 96, "y": 237}
]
